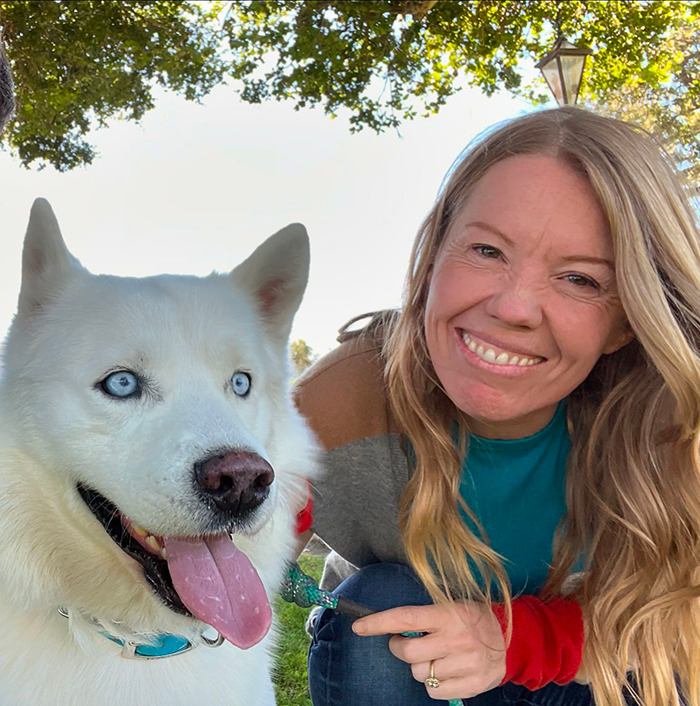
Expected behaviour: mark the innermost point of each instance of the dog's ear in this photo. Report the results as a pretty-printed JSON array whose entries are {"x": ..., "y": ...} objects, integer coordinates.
[
  {"x": 45, "y": 259},
  {"x": 276, "y": 274}
]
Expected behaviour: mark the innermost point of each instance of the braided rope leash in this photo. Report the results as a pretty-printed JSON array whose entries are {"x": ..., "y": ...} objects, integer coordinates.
[
  {"x": 303, "y": 590},
  {"x": 300, "y": 588}
]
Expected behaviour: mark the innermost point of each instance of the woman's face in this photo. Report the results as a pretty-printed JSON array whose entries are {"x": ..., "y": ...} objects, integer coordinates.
[{"x": 523, "y": 299}]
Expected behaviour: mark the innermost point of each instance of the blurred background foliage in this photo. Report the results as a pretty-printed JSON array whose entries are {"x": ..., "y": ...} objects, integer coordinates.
[{"x": 375, "y": 63}]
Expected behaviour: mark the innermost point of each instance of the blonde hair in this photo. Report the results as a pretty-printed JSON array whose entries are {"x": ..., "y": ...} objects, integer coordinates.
[{"x": 633, "y": 481}]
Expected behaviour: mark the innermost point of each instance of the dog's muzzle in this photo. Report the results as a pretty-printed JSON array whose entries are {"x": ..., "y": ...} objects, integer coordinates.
[{"x": 205, "y": 574}]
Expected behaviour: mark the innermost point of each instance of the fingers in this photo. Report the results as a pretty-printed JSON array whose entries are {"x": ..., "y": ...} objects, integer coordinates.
[
  {"x": 448, "y": 679},
  {"x": 424, "y": 618},
  {"x": 463, "y": 643},
  {"x": 438, "y": 644},
  {"x": 415, "y": 650},
  {"x": 461, "y": 673}
]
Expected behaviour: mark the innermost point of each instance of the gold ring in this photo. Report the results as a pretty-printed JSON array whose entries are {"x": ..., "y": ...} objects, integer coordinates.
[{"x": 432, "y": 681}]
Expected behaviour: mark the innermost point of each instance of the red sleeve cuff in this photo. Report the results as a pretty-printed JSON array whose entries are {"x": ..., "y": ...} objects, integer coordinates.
[
  {"x": 547, "y": 641},
  {"x": 305, "y": 517}
]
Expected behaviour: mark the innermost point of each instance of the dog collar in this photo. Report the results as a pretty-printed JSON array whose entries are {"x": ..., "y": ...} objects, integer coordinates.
[{"x": 164, "y": 645}]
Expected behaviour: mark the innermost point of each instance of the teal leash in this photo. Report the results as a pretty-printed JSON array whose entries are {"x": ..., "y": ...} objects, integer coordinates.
[
  {"x": 303, "y": 590},
  {"x": 298, "y": 587}
]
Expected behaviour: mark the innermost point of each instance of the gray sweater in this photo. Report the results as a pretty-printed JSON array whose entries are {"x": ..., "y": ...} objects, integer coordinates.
[{"x": 365, "y": 468}]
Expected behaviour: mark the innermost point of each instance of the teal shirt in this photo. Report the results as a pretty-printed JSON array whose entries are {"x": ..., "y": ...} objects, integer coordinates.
[{"x": 517, "y": 490}]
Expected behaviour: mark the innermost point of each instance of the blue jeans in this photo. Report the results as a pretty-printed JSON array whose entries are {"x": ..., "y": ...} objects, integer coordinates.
[{"x": 348, "y": 670}]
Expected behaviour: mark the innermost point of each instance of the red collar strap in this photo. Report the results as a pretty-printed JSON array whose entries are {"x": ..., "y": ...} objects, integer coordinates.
[
  {"x": 305, "y": 517},
  {"x": 547, "y": 641}
]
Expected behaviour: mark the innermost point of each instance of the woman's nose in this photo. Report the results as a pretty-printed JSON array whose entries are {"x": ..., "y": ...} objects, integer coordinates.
[{"x": 517, "y": 302}]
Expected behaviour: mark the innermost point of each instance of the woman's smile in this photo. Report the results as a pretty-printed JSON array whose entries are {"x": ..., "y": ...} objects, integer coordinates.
[{"x": 495, "y": 355}]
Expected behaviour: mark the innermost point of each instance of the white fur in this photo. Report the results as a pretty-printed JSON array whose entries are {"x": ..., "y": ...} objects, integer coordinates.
[{"x": 187, "y": 336}]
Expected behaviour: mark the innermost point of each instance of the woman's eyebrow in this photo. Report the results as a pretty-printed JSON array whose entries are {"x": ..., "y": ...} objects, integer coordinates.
[
  {"x": 591, "y": 259},
  {"x": 492, "y": 229}
]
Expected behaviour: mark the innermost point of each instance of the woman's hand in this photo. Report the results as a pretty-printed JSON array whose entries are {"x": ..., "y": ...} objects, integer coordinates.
[{"x": 463, "y": 640}]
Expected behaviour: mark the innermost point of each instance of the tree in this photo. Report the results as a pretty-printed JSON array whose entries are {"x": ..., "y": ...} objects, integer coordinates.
[
  {"x": 383, "y": 61},
  {"x": 302, "y": 355},
  {"x": 77, "y": 64},
  {"x": 669, "y": 108}
]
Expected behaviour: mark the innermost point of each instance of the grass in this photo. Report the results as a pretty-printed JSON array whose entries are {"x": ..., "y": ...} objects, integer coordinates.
[{"x": 290, "y": 678}]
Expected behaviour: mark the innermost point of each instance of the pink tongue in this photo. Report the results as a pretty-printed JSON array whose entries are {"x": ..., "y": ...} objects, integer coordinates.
[{"x": 220, "y": 586}]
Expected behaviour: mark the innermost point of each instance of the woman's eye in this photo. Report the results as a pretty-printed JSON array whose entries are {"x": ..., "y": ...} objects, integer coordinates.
[
  {"x": 582, "y": 281},
  {"x": 487, "y": 251},
  {"x": 240, "y": 383},
  {"x": 121, "y": 384}
]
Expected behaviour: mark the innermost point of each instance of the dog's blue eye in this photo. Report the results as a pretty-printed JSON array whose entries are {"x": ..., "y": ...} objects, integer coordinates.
[
  {"x": 240, "y": 382},
  {"x": 121, "y": 384}
]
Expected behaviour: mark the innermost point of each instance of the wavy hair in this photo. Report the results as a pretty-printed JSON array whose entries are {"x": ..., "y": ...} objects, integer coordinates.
[{"x": 633, "y": 481}]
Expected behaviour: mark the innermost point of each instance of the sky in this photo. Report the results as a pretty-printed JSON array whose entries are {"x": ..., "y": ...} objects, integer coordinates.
[{"x": 197, "y": 187}]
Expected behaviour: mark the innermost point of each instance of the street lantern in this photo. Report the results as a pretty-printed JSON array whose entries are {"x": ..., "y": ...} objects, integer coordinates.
[{"x": 562, "y": 68}]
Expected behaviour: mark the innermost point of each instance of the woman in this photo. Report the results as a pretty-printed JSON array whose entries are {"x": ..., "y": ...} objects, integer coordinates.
[{"x": 532, "y": 412}]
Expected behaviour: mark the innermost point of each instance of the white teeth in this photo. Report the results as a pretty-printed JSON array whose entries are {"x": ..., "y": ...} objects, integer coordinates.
[
  {"x": 153, "y": 543},
  {"x": 138, "y": 530},
  {"x": 490, "y": 356}
]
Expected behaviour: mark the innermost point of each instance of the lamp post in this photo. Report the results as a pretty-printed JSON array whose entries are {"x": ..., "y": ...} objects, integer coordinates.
[{"x": 562, "y": 68}]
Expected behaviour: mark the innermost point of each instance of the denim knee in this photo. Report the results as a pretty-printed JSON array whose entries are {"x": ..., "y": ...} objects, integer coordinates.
[
  {"x": 347, "y": 669},
  {"x": 384, "y": 586}
]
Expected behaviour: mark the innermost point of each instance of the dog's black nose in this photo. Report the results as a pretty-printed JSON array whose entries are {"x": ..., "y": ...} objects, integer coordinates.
[{"x": 236, "y": 481}]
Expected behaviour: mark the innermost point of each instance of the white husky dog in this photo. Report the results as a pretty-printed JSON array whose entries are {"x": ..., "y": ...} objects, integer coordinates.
[{"x": 150, "y": 465}]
